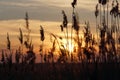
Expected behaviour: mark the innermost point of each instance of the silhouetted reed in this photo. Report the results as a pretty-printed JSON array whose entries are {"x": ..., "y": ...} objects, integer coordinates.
[
  {"x": 74, "y": 3},
  {"x": 3, "y": 57},
  {"x": 27, "y": 41},
  {"x": 42, "y": 33},
  {"x": 21, "y": 36},
  {"x": 65, "y": 25},
  {"x": 8, "y": 42},
  {"x": 103, "y": 2},
  {"x": 18, "y": 56},
  {"x": 19, "y": 52},
  {"x": 42, "y": 37},
  {"x": 96, "y": 15},
  {"x": 63, "y": 51},
  {"x": 108, "y": 33},
  {"x": 9, "y": 60},
  {"x": 75, "y": 24},
  {"x": 89, "y": 49},
  {"x": 51, "y": 53},
  {"x": 107, "y": 40},
  {"x": 119, "y": 39}
]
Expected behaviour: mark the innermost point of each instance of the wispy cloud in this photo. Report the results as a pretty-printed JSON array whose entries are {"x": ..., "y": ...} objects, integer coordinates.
[
  {"x": 21, "y": 3},
  {"x": 42, "y": 9}
]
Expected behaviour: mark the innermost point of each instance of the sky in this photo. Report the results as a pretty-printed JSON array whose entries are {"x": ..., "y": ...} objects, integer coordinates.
[
  {"x": 41, "y": 12},
  {"x": 47, "y": 10}
]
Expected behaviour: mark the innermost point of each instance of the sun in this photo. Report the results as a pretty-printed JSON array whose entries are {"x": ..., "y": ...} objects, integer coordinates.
[{"x": 69, "y": 46}]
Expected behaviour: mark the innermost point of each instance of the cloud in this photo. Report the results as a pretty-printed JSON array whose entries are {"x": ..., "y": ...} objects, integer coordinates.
[{"x": 46, "y": 10}]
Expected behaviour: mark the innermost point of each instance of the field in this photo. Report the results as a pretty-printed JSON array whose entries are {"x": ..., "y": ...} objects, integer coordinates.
[{"x": 61, "y": 71}]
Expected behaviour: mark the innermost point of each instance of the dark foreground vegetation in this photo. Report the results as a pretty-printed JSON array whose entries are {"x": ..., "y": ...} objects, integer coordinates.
[{"x": 61, "y": 71}]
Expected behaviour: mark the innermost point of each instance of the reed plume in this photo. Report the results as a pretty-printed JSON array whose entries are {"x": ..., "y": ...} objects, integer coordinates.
[
  {"x": 103, "y": 2},
  {"x": 8, "y": 42},
  {"x": 21, "y": 36},
  {"x": 26, "y": 19},
  {"x": 87, "y": 34},
  {"x": 74, "y": 3},
  {"x": 65, "y": 21},
  {"x": 96, "y": 15},
  {"x": 62, "y": 29},
  {"x": 42, "y": 37},
  {"x": 75, "y": 24},
  {"x": 27, "y": 36},
  {"x": 42, "y": 33},
  {"x": 64, "y": 25},
  {"x": 96, "y": 11}
]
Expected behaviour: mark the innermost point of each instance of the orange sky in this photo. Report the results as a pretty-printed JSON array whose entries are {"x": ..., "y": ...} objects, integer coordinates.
[
  {"x": 12, "y": 27},
  {"x": 41, "y": 12}
]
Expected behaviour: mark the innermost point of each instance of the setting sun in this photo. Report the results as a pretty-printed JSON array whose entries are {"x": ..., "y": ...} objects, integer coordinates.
[{"x": 70, "y": 46}]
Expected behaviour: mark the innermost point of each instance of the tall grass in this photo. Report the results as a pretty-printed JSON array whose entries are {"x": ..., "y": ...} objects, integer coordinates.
[
  {"x": 42, "y": 39},
  {"x": 8, "y": 42}
]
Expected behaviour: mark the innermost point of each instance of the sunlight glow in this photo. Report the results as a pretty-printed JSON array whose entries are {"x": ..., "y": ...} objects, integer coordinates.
[{"x": 69, "y": 46}]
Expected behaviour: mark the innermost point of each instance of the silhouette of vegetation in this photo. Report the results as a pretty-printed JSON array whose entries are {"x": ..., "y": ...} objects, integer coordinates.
[
  {"x": 42, "y": 39},
  {"x": 8, "y": 42},
  {"x": 89, "y": 60},
  {"x": 106, "y": 38}
]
